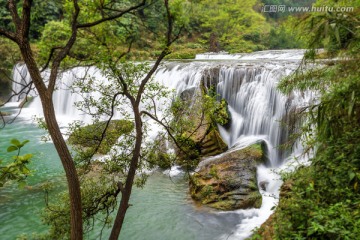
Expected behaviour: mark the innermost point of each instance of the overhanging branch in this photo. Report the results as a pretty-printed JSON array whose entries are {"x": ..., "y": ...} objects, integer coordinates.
[
  {"x": 115, "y": 16},
  {"x": 8, "y": 35}
]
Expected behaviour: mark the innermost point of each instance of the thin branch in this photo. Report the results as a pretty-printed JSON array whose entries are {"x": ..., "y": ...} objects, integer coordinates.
[
  {"x": 167, "y": 128},
  {"x": 120, "y": 14},
  {"x": 8, "y": 35},
  {"x": 64, "y": 52},
  {"x": 107, "y": 122},
  {"x": 22, "y": 106},
  {"x": 52, "y": 51},
  {"x": 164, "y": 52},
  {"x": 124, "y": 53}
]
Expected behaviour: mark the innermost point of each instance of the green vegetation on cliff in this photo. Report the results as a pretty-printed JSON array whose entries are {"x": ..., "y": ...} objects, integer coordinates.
[{"x": 321, "y": 201}]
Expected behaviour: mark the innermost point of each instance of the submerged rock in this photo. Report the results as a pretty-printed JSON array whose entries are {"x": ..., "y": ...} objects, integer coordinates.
[
  {"x": 228, "y": 181},
  {"x": 4, "y": 114}
]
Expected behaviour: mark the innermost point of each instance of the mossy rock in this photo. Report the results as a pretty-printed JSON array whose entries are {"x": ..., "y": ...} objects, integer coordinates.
[
  {"x": 4, "y": 114},
  {"x": 89, "y": 136},
  {"x": 228, "y": 181}
]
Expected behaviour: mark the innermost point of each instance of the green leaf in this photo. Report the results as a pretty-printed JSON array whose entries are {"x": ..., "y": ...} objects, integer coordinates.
[
  {"x": 22, "y": 184},
  {"x": 24, "y": 142},
  {"x": 351, "y": 175},
  {"x": 15, "y": 142},
  {"x": 352, "y": 104},
  {"x": 337, "y": 35},
  {"x": 12, "y": 148}
]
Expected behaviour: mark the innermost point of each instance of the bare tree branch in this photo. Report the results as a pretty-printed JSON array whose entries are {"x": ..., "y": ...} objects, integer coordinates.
[
  {"x": 167, "y": 128},
  {"x": 164, "y": 52},
  {"x": 52, "y": 51},
  {"x": 124, "y": 53},
  {"x": 115, "y": 16},
  {"x": 64, "y": 51},
  {"x": 8, "y": 35}
]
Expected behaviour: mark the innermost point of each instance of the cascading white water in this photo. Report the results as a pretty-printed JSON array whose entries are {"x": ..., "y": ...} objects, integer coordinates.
[
  {"x": 20, "y": 84},
  {"x": 64, "y": 97},
  {"x": 256, "y": 107}
]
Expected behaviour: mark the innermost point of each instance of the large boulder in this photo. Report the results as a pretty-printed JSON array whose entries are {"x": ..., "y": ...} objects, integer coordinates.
[{"x": 228, "y": 181}]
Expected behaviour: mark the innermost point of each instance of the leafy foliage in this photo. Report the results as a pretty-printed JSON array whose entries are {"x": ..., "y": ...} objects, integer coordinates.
[
  {"x": 323, "y": 200},
  {"x": 234, "y": 25},
  {"x": 17, "y": 169},
  {"x": 99, "y": 199},
  {"x": 91, "y": 136}
]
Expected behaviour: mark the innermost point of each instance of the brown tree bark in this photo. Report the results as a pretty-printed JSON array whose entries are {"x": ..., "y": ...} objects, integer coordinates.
[
  {"x": 125, "y": 197},
  {"x": 22, "y": 26},
  {"x": 59, "y": 142}
]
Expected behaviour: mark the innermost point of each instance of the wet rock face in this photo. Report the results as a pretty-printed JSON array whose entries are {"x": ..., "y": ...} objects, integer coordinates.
[{"x": 228, "y": 181}]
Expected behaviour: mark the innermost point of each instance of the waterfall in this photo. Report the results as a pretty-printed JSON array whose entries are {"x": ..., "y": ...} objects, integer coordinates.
[
  {"x": 247, "y": 82},
  {"x": 256, "y": 107},
  {"x": 258, "y": 112},
  {"x": 64, "y": 96},
  {"x": 20, "y": 84}
]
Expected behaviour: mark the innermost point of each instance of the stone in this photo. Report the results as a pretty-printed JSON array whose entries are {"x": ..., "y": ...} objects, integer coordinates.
[
  {"x": 228, "y": 181},
  {"x": 263, "y": 185},
  {"x": 4, "y": 114}
]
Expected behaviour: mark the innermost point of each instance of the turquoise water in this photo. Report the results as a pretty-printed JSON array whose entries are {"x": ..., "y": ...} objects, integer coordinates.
[
  {"x": 20, "y": 208},
  {"x": 161, "y": 210}
]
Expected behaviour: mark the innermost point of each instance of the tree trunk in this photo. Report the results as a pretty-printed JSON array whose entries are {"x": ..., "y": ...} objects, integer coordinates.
[
  {"x": 59, "y": 142},
  {"x": 125, "y": 197}
]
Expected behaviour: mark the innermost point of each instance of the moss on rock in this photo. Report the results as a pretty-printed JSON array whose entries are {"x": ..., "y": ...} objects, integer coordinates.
[{"x": 228, "y": 181}]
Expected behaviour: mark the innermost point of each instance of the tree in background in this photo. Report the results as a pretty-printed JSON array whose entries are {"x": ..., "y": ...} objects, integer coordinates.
[{"x": 235, "y": 25}]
